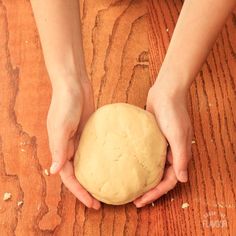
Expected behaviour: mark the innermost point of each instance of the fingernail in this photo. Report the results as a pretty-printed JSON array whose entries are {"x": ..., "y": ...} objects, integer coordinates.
[
  {"x": 53, "y": 167},
  {"x": 138, "y": 205},
  {"x": 183, "y": 176}
]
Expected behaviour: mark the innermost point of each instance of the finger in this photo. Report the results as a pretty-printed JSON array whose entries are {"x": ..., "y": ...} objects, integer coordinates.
[
  {"x": 162, "y": 188},
  {"x": 59, "y": 149},
  {"x": 181, "y": 151},
  {"x": 69, "y": 180}
]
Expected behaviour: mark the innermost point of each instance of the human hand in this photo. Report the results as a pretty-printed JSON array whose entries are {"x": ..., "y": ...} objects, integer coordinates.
[
  {"x": 71, "y": 106},
  {"x": 170, "y": 110}
]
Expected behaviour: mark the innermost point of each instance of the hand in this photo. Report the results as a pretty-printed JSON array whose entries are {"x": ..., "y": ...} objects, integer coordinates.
[
  {"x": 71, "y": 106},
  {"x": 170, "y": 110}
]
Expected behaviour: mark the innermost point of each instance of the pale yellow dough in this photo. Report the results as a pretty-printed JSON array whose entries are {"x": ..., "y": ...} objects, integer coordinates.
[{"x": 121, "y": 154}]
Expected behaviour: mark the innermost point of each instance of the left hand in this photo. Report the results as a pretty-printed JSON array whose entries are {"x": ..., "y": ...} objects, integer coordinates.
[{"x": 170, "y": 110}]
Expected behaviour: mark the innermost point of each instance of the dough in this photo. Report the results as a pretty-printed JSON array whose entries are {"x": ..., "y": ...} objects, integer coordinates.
[{"x": 121, "y": 153}]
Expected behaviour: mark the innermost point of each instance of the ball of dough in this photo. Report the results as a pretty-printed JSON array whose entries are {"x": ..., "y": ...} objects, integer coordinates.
[{"x": 121, "y": 154}]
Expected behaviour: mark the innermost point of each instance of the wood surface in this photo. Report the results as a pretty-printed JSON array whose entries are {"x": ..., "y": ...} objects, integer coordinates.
[{"x": 125, "y": 42}]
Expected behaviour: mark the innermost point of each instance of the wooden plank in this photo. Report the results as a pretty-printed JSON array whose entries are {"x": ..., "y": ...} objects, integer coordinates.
[
  {"x": 211, "y": 191},
  {"x": 125, "y": 42}
]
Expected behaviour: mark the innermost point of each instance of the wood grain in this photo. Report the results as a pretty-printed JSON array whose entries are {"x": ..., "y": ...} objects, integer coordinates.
[{"x": 125, "y": 43}]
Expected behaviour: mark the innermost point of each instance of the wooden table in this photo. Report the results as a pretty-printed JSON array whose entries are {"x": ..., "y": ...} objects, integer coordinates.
[{"x": 125, "y": 42}]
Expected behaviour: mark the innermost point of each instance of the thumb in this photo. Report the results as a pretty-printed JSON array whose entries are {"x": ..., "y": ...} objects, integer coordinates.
[
  {"x": 59, "y": 152},
  {"x": 181, "y": 153}
]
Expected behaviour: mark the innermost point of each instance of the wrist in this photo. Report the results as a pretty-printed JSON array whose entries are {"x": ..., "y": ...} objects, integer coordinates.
[
  {"x": 66, "y": 70},
  {"x": 172, "y": 84},
  {"x": 65, "y": 78},
  {"x": 64, "y": 89}
]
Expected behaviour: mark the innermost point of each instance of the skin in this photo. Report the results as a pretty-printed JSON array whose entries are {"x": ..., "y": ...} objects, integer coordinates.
[
  {"x": 198, "y": 26},
  {"x": 59, "y": 27},
  {"x": 72, "y": 98}
]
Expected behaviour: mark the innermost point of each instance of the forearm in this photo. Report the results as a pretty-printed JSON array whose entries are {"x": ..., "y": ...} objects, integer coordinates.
[
  {"x": 58, "y": 23},
  {"x": 199, "y": 23}
]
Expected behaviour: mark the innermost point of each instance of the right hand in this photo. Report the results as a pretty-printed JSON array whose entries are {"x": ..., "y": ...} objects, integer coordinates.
[{"x": 71, "y": 105}]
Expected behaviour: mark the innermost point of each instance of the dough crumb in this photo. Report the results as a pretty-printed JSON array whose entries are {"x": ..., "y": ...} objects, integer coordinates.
[
  {"x": 172, "y": 199},
  {"x": 185, "y": 205},
  {"x": 220, "y": 205},
  {"x": 23, "y": 150},
  {"x": 6, "y": 196},
  {"x": 193, "y": 141},
  {"x": 167, "y": 30},
  {"x": 153, "y": 204},
  {"x": 46, "y": 172},
  {"x": 20, "y": 203}
]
